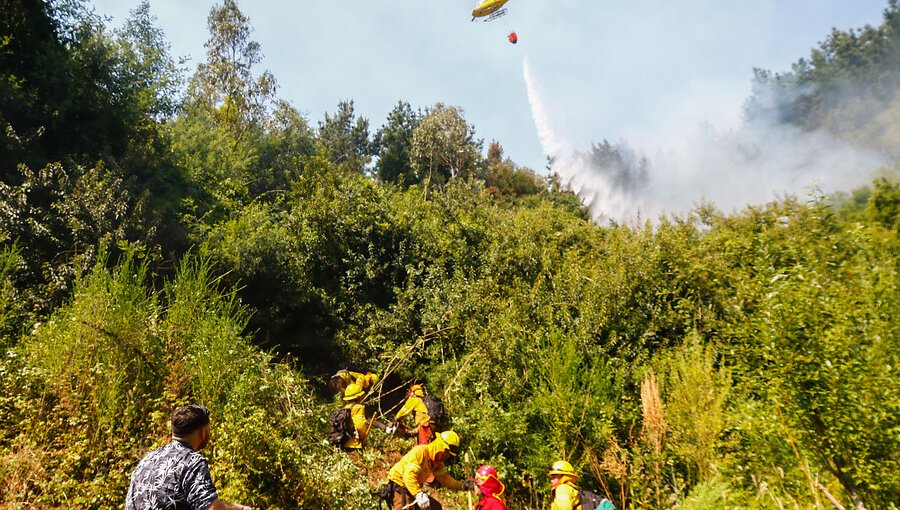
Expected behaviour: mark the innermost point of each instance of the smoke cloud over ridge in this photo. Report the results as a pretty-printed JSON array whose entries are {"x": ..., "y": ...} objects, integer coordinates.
[{"x": 756, "y": 162}]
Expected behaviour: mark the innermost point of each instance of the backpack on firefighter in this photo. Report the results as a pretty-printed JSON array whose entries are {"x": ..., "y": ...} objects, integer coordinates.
[
  {"x": 341, "y": 427},
  {"x": 436, "y": 413},
  {"x": 591, "y": 501}
]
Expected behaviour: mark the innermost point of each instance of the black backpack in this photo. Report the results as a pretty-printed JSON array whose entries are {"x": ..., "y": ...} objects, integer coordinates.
[
  {"x": 435, "y": 409},
  {"x": 591, "y": 501},
  {"x": 341, "y": 427},
  {"x": 386, "y": 493}
]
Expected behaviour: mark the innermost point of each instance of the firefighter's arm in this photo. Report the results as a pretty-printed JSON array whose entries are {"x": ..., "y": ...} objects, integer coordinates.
[
  {"x": 422, "y": 417},
  {"x": 442, "y": 476},
  {"x": 356, "y": 377},
  {"x": 369, "y": 378},
  {"x": 407, "y": 408},
  {"x": 358, "y": 415},
  {"x": 411, "y": 477}
]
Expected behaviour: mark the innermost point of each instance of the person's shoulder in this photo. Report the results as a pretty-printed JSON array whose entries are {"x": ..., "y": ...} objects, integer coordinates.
[
  {"x": 170, "y": 457},
  {"x": 419, "y": 450},
  {"x": 159, "y": 452},
  {"x": 194, "y": 458},
  {"x": 571, "y": 490},
  {"x": 184, "y": 453}
]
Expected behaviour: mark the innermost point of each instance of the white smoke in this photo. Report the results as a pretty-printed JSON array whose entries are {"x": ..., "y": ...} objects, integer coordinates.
[{"x": 759, "y": 161}]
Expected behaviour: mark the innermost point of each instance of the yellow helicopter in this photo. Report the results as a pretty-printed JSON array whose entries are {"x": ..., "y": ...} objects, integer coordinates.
[{"x": 491, "y": 10}]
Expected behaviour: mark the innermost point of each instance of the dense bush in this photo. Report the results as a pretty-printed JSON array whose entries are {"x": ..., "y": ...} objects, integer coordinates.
[
  {"x": 103, "y": 373},
  {"x": 220, "y": 250}
]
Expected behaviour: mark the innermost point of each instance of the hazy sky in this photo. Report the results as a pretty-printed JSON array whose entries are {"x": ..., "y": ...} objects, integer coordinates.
[{"x": 638, "y": 70}]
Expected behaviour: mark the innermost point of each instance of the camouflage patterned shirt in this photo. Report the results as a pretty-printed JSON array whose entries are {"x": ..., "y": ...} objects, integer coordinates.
[{"x": 172, "y": 477}]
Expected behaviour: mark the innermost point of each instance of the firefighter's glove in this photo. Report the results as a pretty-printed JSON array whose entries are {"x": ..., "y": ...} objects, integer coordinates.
[
  {"x": 423, "y": 501},
  {"x": 468, "y": 485}
]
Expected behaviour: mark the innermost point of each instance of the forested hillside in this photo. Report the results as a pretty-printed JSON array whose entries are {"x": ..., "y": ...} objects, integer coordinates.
[
  {"x": 847, "y": 86},
  {"x": 171, "y": 236}
]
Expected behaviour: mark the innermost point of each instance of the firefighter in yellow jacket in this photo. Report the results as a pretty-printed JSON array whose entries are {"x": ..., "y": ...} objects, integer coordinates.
[
  {"x": 565, "y": 492},
  {"x": 408, "y": 476},
  {"x": 424, "y": 428},
  {"x": 353, "y": 395},
  {"x": 342, "y": 378}
]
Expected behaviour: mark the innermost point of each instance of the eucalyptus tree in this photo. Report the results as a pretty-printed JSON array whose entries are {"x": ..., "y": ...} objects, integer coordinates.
[
  {"x": 444, "y": 147},
  {"x": 225, "y": 83},
  {"x": 221, "y": 133}
]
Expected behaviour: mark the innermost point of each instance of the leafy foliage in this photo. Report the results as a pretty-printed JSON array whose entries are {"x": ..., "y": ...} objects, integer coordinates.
[
  {"x": 394, "y": 141},
  {"x": 11, "y": 306},
  {"x": 345, "y": 138},
  {"x": 847, "y": 86},
  {"x": 217, "y": 248},
  {"x": 443, "y": 146},
  {"x": 107, "y": 380}
]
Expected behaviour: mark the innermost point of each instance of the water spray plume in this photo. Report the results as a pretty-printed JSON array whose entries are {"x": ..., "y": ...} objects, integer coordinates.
[
  {"x": 600, "y": 189},
  {"x": 760, "y": 160}
]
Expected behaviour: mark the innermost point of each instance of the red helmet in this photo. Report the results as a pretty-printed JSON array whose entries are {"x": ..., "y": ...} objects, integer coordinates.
[
  {"x": 486, "y": 471},
  {"x": 488, "y": 481}
]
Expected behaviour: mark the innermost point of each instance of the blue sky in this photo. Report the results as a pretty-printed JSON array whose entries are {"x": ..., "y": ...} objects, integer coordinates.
[{"x": 637, "y": 70}]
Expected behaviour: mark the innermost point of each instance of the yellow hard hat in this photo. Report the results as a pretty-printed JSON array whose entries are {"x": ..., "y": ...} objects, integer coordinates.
[
  {"x": 562, "y": 467},
  {"x": 417, "y": 390},
  {"x": 451, "y": 440},
  {"x": 353, "y": 391}
]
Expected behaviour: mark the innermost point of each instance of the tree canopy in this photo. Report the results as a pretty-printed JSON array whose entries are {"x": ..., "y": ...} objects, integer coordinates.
[{"x": 172, "y": 236}]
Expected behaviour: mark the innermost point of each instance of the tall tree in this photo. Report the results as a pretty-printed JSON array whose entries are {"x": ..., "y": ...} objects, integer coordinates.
[
  {"x": 83, "y": 161},
  {"x": 394, "y": 141},
  {"x": 148, "y": 68},
  {"x": 220, "y": 136},
  {"x": 848, "y": 86},
  {"x": 501, "y": 175},
  {"x": 289, "y": 141},
  {"x": 444, "y": 146},
  {"x": 225, "y": 83},
  {"x": 345, "y": 138},
  {"x": 59, "y": 96},
  {"x": 620, "y": 164}
]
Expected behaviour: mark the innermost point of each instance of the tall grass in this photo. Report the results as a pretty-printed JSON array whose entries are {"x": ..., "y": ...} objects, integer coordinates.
[
  {"x": 696, "y": 394},
  {"x": 97, "y": 381},
  {"x": 11, "y": 305},
  {"x": 100, "y": 357}
]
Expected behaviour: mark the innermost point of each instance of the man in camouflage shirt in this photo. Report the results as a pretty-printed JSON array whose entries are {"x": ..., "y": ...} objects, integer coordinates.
[{"x": 175, "y": 476}]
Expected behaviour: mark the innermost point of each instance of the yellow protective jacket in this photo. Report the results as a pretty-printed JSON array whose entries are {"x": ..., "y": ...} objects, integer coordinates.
[
  {"x": 414, "y": 404},
  {"x": 418, "y": 465},
  {"x": 566, "y": 496},
  {"x": 365, "y": 381},
  {"x": 358, "y": 417}
]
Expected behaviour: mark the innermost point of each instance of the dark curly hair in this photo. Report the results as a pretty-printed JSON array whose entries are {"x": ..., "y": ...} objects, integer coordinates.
[{"x": 188, "y": 419}]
